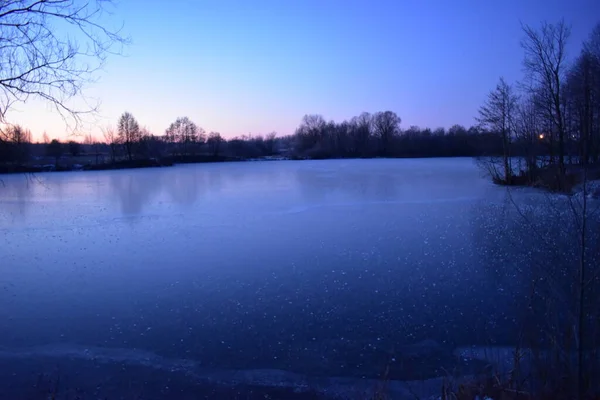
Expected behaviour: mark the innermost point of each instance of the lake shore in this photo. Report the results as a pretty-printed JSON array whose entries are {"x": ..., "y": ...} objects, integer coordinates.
[{"x": 127, "y": 164}]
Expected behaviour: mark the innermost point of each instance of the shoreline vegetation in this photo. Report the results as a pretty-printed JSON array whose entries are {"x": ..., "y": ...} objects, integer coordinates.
[{"x": 376, "y": 135}]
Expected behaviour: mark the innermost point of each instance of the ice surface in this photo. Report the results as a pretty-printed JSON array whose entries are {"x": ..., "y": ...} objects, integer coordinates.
[{"x": 327, "y": 268}]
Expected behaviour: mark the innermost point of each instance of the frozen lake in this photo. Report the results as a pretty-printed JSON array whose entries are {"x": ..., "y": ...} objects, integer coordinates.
[{"x": 323, "y": 268}]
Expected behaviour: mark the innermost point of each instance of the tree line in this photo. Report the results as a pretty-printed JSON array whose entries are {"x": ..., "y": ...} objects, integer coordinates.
[
  {"x": 130, "y": 143},
  {"x": 380, "y": 134},
  {"x": 365, "y": 136}
]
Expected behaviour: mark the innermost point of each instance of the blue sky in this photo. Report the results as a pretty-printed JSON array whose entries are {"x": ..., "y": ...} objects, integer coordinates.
[{"x": 256, "y": 66}]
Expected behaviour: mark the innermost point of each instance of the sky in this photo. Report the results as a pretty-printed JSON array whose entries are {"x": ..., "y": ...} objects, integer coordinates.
[{"x": 257, "y": 66}]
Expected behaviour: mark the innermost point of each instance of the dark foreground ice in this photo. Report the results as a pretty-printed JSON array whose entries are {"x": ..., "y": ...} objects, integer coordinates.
[{"x": 92, "y": 372}]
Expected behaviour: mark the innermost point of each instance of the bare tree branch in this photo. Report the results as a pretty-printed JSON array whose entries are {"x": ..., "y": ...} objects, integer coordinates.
[{"x": 51, "y": 49}]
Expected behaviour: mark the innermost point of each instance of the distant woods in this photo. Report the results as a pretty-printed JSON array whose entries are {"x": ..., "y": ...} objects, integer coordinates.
[
  {"x": 551, "y": 119},
  {"x": 131, "y": 144},
  {"x": 380, "y": 135},
  {"x": 364, "y": 136}
]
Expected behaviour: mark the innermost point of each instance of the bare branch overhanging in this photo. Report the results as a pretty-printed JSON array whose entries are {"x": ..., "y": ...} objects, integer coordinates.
[{"x": 51, "y": 49}]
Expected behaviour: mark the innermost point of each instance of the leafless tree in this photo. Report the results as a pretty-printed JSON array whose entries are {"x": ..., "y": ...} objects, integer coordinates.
[
  {"x": 546, "y": 68},
  {"x": 310, "y": 132},
  {"x": 129, "y": 133},
  {"x": 17, "y": 141},
  {"x": 457, "y": 130},
  {"x": 579, "y": 90},
  {"x": 270, "y": 143},
  {"x": 214, "y": 142},
  {"x": 18, "y": 134},
  {"x": 497, "y": 114},
  {"x": 582, "y": 91},
  {"x": 45, "y": 138},
  {"x": 112, "y": 140},
  {"x": 50, "y": 49},
  {"x": 185, "y": 133},
  {"x": 592, "y": 45},
  {"x": 528, "y": 130},
  {"x": 361, "y": 131},
  {"x": 386, "y": 126},
  {"x": 412, "y": 131}
]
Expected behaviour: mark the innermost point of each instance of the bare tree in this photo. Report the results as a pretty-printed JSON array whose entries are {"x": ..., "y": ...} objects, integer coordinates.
[
  {"x": 214, "y": 142},
  {"x": 270, "y": 143},
  {"x": 129, "y": 133},
  {"x": 112, "y": 140},
  {"x": 592, "y": 45},
  {"x": 582, "y": 91},
  {"x": 386, "y": 126},
  {"x": 17, "y": 141},
  {"x": 497, "y": 114},
  {"x": 545, "y": 66},
  {"x": 50, "y": 49},
  {"x": 528, "y": 131},
  {"x": 186, "y": 133},
  {"x": 457, "y": 130},
  {"x": 45, "y": 138},
  {"x": 310, "y": 132},
  {"x": 361, "y": 131}
]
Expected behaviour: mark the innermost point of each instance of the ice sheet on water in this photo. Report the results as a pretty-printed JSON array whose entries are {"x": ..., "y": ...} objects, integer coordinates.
[{"x": 417, "y": 247}]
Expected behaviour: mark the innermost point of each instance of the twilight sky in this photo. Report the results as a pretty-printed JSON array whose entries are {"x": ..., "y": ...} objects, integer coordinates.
[{"x": 256, "y": 66}]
